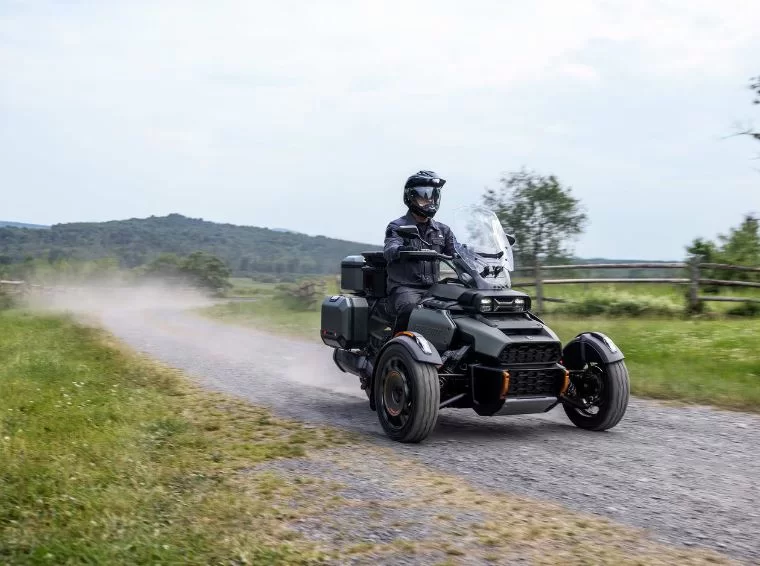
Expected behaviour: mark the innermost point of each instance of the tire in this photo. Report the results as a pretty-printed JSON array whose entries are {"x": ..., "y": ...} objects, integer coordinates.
[
  {"x": 407, "y": 395},
  {"x": 612, "y": 402}
]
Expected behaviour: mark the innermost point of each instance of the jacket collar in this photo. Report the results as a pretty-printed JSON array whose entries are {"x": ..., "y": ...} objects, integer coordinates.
[{"x": 412, "y": 220}]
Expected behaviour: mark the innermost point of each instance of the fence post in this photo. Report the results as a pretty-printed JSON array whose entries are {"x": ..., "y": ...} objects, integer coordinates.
[
  {"x": 694, "y": 262},
  {"x": 539, "y": 307}
]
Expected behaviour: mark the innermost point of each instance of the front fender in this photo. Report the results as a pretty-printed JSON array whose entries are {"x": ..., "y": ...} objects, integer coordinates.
[
  {"x": 587, "y": 345},
  {"x": 419, "y": 347}
]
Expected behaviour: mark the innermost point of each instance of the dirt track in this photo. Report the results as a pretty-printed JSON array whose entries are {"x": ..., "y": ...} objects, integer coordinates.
[{"x": 689, "y": 475}]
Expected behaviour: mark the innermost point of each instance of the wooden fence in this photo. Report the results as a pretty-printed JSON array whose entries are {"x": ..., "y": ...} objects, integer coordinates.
[
  {"x": 25, "y": 288},
  {"x": 695, "y": 269},
  {"x": 309, "y": 292},
  {"x": 13, "y": 286}
]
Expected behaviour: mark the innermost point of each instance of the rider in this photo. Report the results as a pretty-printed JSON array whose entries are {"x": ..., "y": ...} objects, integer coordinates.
[{"x": 409, "y": 280}]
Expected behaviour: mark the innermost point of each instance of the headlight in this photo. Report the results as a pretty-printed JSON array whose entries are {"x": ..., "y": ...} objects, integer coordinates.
[
  {"x": 486, "y": 304},
  {"x": 518, "y": 304},
  {"x": 474, "y": 300}
]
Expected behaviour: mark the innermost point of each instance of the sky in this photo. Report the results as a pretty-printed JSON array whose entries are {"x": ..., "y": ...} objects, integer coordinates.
[{"x": 311, "y": 115}]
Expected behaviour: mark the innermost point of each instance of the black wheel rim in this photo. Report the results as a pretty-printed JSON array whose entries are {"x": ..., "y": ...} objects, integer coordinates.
[
  {"x": 396, "y": 398},
  {"x": 590, "y": 390}
]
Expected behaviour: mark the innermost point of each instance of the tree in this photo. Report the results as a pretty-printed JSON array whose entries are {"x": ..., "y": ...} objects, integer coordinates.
[
  {"x": 167, "y": 266},
  {"x": 542, "y": 213},
  {"x": 754, "y": 86},
  {"x": 199, "y": 269},
  {"x": 741, "y": 246},
  {"x": 207, "y": 271},
  {"x": 704, "y": 248}
]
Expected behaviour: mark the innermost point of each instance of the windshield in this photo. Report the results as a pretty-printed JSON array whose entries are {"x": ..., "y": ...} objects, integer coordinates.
[{"x": 482, "y": 243}]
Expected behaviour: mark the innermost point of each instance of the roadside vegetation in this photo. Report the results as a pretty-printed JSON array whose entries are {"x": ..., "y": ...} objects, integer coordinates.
[
  {"x": 637, "y": 300},
  {"x": 108, "y": 458}
]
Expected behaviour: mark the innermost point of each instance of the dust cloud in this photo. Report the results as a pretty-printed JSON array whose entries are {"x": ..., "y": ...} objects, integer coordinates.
[
  {"x": 162, "y": 309},
  {"x": 315, "y": 368},
  {"x": 94, "y": 298}
]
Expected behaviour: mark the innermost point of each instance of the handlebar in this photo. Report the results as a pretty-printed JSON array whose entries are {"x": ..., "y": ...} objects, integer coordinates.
[{"x": 423, "y": 255}]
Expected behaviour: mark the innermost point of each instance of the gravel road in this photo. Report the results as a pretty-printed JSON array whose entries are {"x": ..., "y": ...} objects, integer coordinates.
[{"x": 688, "y": 475}]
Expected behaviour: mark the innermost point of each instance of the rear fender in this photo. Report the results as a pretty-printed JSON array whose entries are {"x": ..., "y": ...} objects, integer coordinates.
[{"x": 590, "y": 345}]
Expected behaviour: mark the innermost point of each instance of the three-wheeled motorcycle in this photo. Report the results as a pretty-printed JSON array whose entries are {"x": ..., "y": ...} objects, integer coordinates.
[{"x": 472, "y": 343}]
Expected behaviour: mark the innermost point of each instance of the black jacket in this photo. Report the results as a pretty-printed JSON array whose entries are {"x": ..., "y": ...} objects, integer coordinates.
[{"x": 415, "y": 273}]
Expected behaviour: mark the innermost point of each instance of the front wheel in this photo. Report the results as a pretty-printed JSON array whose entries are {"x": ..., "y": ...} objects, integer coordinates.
[
  {"x": 604, "y": 390},
  {"x": 407, "y": 395}
]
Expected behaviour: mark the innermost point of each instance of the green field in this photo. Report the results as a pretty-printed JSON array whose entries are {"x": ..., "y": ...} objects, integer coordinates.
[
  {"x": 711, "y": 359},
  {"x": 108, "y": 458},
  {"x": 246, "y": 287},
  {"x": 702, "y": 361},
  {"x": 635, "y": 299}
]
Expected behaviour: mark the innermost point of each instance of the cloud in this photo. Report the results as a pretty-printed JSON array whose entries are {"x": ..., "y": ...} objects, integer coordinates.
[{"x": 229, "y": 109}]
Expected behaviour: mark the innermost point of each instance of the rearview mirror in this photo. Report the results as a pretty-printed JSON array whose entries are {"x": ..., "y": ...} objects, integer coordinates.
[{"x": 409, "y": 232}]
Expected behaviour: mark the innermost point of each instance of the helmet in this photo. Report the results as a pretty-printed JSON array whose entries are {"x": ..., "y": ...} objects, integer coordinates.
[{"x": 425, "y": 185}]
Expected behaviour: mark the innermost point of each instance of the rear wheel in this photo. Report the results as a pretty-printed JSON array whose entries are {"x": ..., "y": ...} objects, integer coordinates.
[
  {"x": 407, "y": 395},
  {"x": 604, "y": 389}
]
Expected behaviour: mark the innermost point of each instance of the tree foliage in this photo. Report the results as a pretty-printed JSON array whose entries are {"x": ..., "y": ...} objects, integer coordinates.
[
  {"x": 754, "y": 86},
  {"x": 541, "y": 212},
  {"x": 741, "y": 246},
  {"x": 136, "y": 242},
  {"x": 206, "y": 271},
  {"x": 199, "y": 269}
]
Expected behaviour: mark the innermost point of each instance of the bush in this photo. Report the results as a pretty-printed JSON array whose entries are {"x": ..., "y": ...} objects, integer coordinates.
[
  {"x": 303, "y": 296},
  {"x": 745, "y": 309},
  {"x": 616, "y": 303}
]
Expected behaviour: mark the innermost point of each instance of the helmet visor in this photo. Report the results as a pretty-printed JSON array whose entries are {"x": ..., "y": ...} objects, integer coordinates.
[{"x": 428, "y": 193}]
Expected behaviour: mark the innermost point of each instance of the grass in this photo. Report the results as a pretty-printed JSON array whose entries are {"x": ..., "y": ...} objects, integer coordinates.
[
  {"x": 702, "y": 361},
  {"x": 106, "y": 458},
  {"x": 633, "y": 299},
  {"x": 707, "y": 360},
  {"x": 245, "y": 287},
  {"x": 273, "y": 311},
  {"x": 270, "y": 313}
]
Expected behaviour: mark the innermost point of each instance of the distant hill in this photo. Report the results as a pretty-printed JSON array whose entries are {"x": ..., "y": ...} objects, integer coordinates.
[
  {"x": 22, "y": 225},
  {"x": 246, "y": 249}
]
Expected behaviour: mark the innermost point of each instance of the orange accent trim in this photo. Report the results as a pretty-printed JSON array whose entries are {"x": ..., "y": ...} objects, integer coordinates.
[
  {"x": 505, "y": 384},
  {"x": 405, "y": 333},
  {"x": 566, "y": 383}
]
